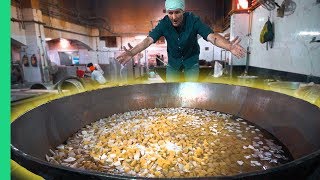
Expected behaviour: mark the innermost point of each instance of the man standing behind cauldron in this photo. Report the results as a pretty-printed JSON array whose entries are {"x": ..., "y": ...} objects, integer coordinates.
[
  {"x": 180, "y": 29},
  {"x": 96, "y": 75}
]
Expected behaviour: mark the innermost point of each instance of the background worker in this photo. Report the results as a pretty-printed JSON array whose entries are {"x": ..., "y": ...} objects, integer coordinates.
[{"x": 96, "y": 74}]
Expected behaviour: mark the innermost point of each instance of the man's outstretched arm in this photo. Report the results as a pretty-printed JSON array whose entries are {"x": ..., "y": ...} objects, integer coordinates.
[
  {"x": 232, "y": 46},
  {"x": 132, "y": 51}
]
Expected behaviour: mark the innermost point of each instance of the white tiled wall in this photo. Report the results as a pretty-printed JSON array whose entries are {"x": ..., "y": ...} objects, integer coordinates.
[
  {"x": 292, "y": 50},
  {"x": 206, "y": 54},
  {"x": 218, "y": 50},
  {"x": 239, "y": 25}
]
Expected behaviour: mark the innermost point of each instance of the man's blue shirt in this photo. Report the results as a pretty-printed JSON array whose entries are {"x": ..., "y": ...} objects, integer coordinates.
[{"x": 182, "y": 42}]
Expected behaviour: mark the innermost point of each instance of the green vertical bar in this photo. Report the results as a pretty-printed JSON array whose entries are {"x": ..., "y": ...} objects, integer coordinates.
[{"x": 5, "y": 90}]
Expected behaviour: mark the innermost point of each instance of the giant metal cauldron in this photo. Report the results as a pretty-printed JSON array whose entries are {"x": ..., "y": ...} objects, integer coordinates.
[
  {"x": 204, "y": 71},
  {"x": 293, "y": 121}
]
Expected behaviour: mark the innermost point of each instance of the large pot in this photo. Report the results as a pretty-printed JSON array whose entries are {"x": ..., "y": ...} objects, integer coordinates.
[
  {"x": 204, "y": 72},
  {"x": 294, "y": 122}
]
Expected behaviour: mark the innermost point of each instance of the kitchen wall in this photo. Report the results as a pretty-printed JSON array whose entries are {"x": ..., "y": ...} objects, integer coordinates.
[
  {"x": 206, "y": 50},
  {"x": 60, "y": 29},
  {"x": 239, "y": 26},
  {"x": 292, "y": 50},
  {"x": 217, "y": 50},
  {"x": 140, "y": 16},
  {"x": 54, "y": 28}
]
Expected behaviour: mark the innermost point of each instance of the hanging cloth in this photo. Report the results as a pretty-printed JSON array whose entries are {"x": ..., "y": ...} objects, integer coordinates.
[{"x": 267, "y": 33}]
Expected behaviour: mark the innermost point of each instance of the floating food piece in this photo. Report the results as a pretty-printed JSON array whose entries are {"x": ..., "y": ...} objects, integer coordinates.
[
  {"x": 69, "y": 159},
  {"x": 256, "y": 163},
  {"x": 60, "y": 147},
  {"x": 240, "y": 162}
]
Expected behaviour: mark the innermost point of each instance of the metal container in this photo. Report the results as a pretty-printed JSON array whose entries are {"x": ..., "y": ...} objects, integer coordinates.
[{"x": 294, "y": 122}]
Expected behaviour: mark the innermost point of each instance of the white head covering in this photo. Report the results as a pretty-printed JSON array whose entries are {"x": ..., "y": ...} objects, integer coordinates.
[{"x": 174, "y": 4}]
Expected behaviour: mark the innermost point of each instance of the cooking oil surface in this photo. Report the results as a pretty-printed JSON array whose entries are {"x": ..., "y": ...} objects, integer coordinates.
[{"x": 171, "y": 142}]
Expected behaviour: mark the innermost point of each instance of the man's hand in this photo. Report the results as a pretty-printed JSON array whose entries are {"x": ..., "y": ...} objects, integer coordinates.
[
  {"x": 232, "y": 46},
  {"x": 236, "y": 49},
  {"x": 126, "y": 55}
]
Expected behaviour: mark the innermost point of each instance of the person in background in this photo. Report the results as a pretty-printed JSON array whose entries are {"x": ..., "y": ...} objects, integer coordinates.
[
  {"x": 97, "y": 66},
  {"x": 158, "y": 60},
  {"x": 180, "y": 29},
  {"x": 96, "y": 75},
  {"x": 80, "y": 73},
  {"x": 162, "y": 60}
]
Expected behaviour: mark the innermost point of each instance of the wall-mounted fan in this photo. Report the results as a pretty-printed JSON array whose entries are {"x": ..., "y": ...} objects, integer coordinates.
[
  {"x": 269, "y": 4},
  {"x": 285, "y": 9},
  {"x": 289, "y": 7}
]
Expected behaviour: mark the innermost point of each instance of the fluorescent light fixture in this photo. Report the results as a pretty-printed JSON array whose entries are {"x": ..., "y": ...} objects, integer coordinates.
[
  {"x": 309, "y": 33},
  {"x": 48, "y": 39}
]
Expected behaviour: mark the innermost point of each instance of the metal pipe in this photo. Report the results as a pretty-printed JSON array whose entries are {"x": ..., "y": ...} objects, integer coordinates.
[
  {"x": 249, "y": 43},
  {"x": 63, "y": 30},
  {"x": 247, "y": 62},
  {"x": 225, "y": 54},
  {"x": 250, "y": 23},
  {"x": 42, "y": 60},
  {"x": 74, "y": 16},
  {"x": 231, "y": 67},
  {"x": 50, "y": 27},
  {"x": 27, "y": 21}
]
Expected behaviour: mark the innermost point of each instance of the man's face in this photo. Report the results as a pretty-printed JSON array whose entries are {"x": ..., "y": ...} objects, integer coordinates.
[{"x": 176, "y": 17}]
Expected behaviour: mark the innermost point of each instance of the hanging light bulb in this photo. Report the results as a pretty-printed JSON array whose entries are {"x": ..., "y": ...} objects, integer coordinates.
[
  {"x": 64, "y": 43},
  {"x": 242, "y": 4}
]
